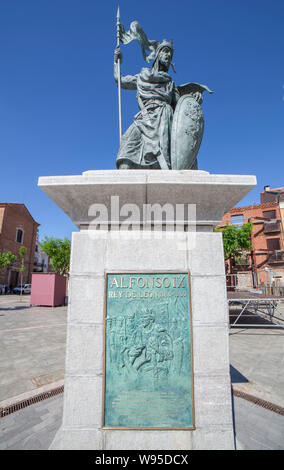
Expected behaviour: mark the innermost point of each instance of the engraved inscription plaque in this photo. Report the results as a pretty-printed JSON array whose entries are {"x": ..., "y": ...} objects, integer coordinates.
[{"x": 148, "y": 380}]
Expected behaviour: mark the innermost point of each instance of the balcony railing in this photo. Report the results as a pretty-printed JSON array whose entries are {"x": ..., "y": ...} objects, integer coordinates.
[
  {"x": 270, "y": 227},
  {"x": 276, "y": 257}
]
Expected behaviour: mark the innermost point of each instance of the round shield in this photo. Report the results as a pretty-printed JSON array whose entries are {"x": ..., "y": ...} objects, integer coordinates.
[{"x": 187, "y": 133}]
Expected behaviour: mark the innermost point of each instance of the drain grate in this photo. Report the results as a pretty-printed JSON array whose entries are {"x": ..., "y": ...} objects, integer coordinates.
[
  {"x": 56, "y": 391},
  {"x": 259, "y": 402},
  {"x": 30, "y": 401}
]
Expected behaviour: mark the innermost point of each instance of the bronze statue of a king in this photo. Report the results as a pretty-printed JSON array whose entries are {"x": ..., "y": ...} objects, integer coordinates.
[{"x": 168, "y": 129}]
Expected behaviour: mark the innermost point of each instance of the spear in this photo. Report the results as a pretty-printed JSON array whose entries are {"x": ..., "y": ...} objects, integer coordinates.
[{"x": 118, "y": 72}]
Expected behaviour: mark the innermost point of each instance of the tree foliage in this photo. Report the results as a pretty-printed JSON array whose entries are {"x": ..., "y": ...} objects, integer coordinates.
[
  {"x": 236, "y": 240},
  {"x": 7, "y": 259},
  {"x": 58, "y": 251}
]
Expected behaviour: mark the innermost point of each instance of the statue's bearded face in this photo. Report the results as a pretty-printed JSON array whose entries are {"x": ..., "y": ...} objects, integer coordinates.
[
  {"x": 165, "y": 56},
  {"x": 147, "y": 319}
]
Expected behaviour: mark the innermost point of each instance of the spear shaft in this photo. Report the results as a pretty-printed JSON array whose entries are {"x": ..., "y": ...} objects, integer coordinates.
[{"x": 118, "y": 73}]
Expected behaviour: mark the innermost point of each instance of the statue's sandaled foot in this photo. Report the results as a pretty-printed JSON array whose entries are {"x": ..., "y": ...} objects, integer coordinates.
[{"x": 125, "y": 166}]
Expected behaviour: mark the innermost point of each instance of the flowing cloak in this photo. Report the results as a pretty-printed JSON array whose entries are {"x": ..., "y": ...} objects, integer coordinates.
[{"x": 147, "y": 141}]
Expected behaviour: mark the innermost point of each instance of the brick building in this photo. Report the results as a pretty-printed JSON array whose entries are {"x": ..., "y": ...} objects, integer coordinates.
[
  {"x": 267, "y": 255},
  {"x": 17, "y": 228}
]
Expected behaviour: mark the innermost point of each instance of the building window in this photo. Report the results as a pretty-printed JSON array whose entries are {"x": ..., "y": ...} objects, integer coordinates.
[
  {"x": 269, "y": 214},
  {"x": 237, "y": 219},
  {"x": 19, "y": 237},
  {"x": 273, "y": 244}
]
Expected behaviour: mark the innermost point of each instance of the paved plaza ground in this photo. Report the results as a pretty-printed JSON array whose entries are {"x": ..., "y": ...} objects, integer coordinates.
[
  {"x": 32, "y": 346},
  {"x": 32, "y": 360}
]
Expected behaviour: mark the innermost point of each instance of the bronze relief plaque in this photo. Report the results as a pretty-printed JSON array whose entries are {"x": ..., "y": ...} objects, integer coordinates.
[{"x": 148, "y": 379}]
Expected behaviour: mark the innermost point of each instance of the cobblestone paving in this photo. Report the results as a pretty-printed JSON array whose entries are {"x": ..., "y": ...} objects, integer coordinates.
[
  {"x": 32, "y": 345},
  {"x": 32, "y": 428}
]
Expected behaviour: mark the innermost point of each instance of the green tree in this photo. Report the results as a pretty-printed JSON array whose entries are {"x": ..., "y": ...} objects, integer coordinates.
[
  {"x": 7, "y": 259},
  {"x": 22, "y": 253},
  {"x": 58, "y": 251},
  {"x": 235, "y": 240}
]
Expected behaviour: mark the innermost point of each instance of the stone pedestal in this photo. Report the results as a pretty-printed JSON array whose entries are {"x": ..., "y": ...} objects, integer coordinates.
[{"x": 190, "y": 247}]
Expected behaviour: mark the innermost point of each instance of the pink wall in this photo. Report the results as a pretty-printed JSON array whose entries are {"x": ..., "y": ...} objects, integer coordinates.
[{"x": 48, "y": 289}]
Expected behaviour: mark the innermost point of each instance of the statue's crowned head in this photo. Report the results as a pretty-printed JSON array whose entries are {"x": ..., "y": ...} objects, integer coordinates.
[
  {"x": 163, "y": 47},
  {"x": 147, "y": 316}
]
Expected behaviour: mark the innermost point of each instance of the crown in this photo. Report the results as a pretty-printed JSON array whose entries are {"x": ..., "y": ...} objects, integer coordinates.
[{"x": 157, "y": 47}]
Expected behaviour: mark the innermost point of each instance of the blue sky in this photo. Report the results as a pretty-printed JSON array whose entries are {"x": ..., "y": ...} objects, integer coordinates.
[{"x": 58, "y": 99}]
